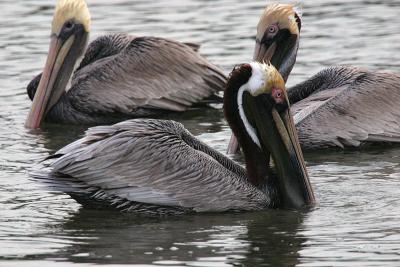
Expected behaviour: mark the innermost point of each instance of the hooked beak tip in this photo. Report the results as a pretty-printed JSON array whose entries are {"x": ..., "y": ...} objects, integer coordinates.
[{"x": 233, "y": 146}]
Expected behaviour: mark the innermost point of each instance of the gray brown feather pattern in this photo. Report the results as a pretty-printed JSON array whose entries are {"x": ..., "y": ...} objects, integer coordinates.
[
  {"x": 155, "y": 163},
  {"x": 149, "y": 72},
  {"x": 347, "y": 107},
  {"x": 123, "y": 76}
]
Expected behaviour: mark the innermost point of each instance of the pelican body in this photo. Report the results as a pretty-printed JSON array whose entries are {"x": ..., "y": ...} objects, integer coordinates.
[
  {"x": 347, "y": 107},
  {"x": 340, "y": 107},
  {"x": 119, "y": 77},
  {"x": 157, "y": 167}
]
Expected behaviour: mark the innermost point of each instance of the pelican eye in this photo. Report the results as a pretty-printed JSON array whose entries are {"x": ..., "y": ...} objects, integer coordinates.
[
  {"x": 69, "y": 25},
  {"x": 277, "y": 95},
  {"x": 272, "y": 29}
]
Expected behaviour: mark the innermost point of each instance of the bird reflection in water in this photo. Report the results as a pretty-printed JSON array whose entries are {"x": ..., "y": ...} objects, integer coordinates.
[{"x": 246, "y": 239}]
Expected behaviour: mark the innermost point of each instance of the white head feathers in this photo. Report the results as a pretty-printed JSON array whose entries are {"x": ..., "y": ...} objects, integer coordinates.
[{"x": 264, "y": 77}]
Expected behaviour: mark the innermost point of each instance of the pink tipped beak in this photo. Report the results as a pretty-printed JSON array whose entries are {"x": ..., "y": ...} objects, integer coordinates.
[
  {"x": 43, "y": 93},
  {"x": 233, "y": 146}
]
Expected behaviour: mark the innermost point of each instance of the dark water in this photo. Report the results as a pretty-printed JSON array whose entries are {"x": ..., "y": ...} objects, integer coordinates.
[{"x": 357, "y": 220}]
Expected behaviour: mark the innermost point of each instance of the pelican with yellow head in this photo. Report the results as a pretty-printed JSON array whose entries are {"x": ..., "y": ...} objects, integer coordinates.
[
  {"x": 121, "y": 76},
  {"x": 68, "y": 39},
  {"x": 278, "y": 35},
  {"x": 157, "y": 166},
  {"x": 332, "y": 109}
]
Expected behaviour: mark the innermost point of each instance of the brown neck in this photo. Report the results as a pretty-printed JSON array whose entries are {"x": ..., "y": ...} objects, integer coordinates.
[{"x": 256, "y": 161}]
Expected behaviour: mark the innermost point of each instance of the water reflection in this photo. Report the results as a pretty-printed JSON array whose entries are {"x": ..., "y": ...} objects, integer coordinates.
[
  {"x": 274, "y": 239},
  {"x": 250, "y": 239}
]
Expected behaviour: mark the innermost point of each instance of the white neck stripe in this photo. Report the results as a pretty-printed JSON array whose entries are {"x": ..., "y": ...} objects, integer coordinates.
[{"x": 249, "y": 128}]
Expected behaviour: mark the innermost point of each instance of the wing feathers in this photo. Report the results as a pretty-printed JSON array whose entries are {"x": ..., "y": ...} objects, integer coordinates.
[
  {"x": 149, "y": 161},
  {"x": 367, "y": 109},
  {"x": 147, "y": 72}
]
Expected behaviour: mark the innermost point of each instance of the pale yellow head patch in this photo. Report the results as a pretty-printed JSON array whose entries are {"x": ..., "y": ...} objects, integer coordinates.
[
  {"x": 70, "y": 9},
  {"x": 265, "y": 77},
  {"x": 281, "y": 14}
]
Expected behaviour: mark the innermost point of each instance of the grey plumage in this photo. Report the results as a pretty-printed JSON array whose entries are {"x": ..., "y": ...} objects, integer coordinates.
[
  {"x": 339, "y": 106},
  {"x": 347, "y": 107},
  {"x": 151, "y": 166},
  {"x": 124, "y": 76}
]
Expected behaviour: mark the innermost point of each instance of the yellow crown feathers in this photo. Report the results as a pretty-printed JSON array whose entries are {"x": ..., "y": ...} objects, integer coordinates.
[
  {"x": 76, "y": 10},
  {"x": 282, "y": 14},
  {"x": 264, "y": 78}
]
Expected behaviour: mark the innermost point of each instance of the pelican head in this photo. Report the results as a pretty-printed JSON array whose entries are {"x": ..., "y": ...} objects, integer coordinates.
[
  {"x": 265, "y": 129},
  {"x": 68, "y": 39},
  {"x": 277, "y": 38}
]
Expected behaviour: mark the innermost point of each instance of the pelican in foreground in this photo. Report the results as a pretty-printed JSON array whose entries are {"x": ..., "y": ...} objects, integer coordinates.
[
  {"x": 156, "y": 166},
  {"x": 339, "y": 107},
  {"x": 119, "y": 77}
]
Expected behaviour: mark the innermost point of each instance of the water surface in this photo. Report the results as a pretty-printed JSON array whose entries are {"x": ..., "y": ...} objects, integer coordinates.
[{"x": 357, "y": 218}]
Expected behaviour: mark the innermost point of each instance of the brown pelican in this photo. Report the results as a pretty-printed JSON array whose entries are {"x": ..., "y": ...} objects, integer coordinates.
[
  {"x": 120, "y": 76},
  {"x": 156, "y": 166},
  {"x": 339, "y": 106}
]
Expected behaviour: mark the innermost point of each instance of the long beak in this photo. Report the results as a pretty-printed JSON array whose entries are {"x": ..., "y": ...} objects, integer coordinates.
[
  {"x": 281, "y": 53},
  {"x": 290, "y": 162},
  {"x": 264, "y": 53},
  {"x": 51, "y": 85},
  {"x": 278, "y": 137}
]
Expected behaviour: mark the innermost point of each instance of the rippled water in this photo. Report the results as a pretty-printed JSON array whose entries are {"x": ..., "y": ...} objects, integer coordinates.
[{"x": 357, "y": 220}]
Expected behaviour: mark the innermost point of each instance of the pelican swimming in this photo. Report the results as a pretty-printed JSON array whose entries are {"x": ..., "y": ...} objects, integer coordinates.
[
  {"x": 156, "y": 166},
  {"x": 339, "y": 106},
  {"x": 119, "y": 77}
]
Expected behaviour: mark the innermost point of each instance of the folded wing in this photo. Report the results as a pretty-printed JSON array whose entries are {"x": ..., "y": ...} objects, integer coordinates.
[
  {"x": 149, "y": 72},
  {"x": 151, "y": 164},
  {"x": 361, "y": 109}
]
